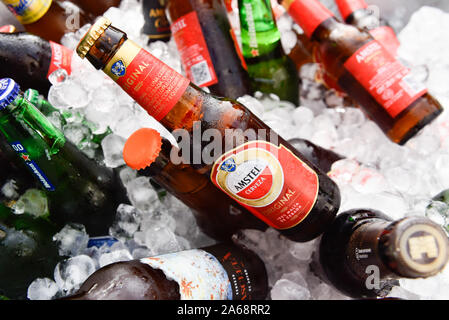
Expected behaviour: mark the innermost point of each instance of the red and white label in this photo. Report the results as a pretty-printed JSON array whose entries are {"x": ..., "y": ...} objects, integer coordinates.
[
  {"x": 61, "y": 58},
  {"x": 384, "y": 77},
  {"x": 309, "y": 14},
  {"x": 150, "y": 82},
  {"x": 387, "y": 37},
  {"x": 270, "y": 181},
  {"x": 193, "y": 49}
]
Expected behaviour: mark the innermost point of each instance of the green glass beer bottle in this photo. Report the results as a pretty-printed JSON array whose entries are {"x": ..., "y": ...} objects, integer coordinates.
[
  {"x": 78, "y": 189},
  {"x": 270, "y": 69},
  {"x": 27, "y": 252}
]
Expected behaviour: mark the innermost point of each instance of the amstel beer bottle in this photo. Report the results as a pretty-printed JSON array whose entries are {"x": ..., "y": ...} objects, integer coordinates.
[
  {"x": 383, "y": 87},
  {"x": 249, "y": 161},
  {"x": 31, "y": 60},
  {"x": 208, "y": 52},
  {"x": 27, "y": 252},
  {"x": 220, "y": 272},
  {"x": 270, "y": 69},
  {"x": 77, "y": 188},
  {"x": 216, "y": 213},
  {"x": 364, "y": 252},
  {"x": 357, "y": 13},
  {"x": 156, "y": 26},
  {"x": 47, "y": 18}
]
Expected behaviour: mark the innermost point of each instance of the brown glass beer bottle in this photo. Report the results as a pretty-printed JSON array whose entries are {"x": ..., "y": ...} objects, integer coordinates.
[
  {"x": 216, "y": 213},
  {"x": 249, "y": 161},
  {"x": 203, "y": 35},
  {"x": 220, "y": 272},
  {"x": 357, "y": 13},
  {"x": 365, "y": 252},
  {"x": 156, "y": 26},
  {"x": 383, "y": 87},
  {"x": 47, "y": 18}
]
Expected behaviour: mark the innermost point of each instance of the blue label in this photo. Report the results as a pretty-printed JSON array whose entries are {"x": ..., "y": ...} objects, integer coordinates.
[
  {"x": 101, "y": 241},
  {"x": 20, "y": 149},
  {"x": 118, "y": 68},
  {"x": 228, "y": 165}
]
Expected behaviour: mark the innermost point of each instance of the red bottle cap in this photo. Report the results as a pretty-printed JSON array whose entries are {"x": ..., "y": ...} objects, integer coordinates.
[
  {"x": 9, "y": 28},
  {"x": 347, "y": 7},
  {"x": 142, "y": 148},
  {"x": 309, "y": 14}
]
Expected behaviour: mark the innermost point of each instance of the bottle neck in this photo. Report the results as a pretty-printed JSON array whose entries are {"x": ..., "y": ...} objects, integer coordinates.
[
  {"x": 260, "y": 35},
  {"x": 308, "y": 14},
  {"x": 348, "y": 7},
  {"x": 32, "y": 120}
]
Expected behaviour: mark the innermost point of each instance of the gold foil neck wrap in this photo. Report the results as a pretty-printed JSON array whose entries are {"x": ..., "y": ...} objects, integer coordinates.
[{"x": 92, "y": 35}]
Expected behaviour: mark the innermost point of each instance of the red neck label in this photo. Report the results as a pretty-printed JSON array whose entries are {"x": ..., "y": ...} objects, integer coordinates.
[
  {"x": 150, "y": 82},
  {"x": 309, "y": 14},
  {"x": 347, "y": 7}
]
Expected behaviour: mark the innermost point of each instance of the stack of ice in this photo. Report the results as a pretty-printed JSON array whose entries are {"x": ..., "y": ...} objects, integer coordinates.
[{"x": 377, "y": 174}]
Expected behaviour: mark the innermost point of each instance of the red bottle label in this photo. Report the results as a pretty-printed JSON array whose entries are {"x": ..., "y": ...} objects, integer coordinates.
[
  {"x": 384, "y": 77},
  {"x": 193, "y": 49},
  {"x": 150, "y": 82},
  {"x": 270, "y": 181},
  {"x": 387, "y": 37},
  {"x": 61, "y": 58}
]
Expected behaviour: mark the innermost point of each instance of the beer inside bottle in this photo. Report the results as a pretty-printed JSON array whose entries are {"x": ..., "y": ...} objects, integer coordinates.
[
  {"x": 270, "y": 69},
  {"x": 362, "y": 244},
  {"x": 216, "y": 213},
  {"x": 48, "y": 19},
  {"x": 252, "y": 164},
  {"x": 220, "y": 272},
  {"x": 78, "y": 189},
  {"x": 385, "y": 89}
]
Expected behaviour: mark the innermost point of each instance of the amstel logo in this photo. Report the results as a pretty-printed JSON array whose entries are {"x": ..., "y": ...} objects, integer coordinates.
[{"x": 251, "y": 174}]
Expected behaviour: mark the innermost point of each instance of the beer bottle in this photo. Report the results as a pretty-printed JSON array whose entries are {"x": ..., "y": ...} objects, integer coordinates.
[
  {"x": 27, "y": 251},
  {"x": 220, "y": 272},
  {"x": 156, "y": 26},
  {"x": 270, "y": 69},
  {"x": 266, "y": 174},
  {"x": 96, "y": 7},
  {"x": 78, "y": 189},
  {"x": 31, "y": 60},
  {"x": 357, "y": 13},
  {"x": 363, "y": 244},
  {"x": 47, "y": 18},
  {"x": 216, "y": 213},
  {"x": 209, "y": 57},
  {"x": 383, "y": 87}
]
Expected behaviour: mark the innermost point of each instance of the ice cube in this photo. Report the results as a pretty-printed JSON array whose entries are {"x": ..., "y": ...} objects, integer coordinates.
[
  {"x": 71, "y": 240},
  {"x": 33, "y": 202},
  {"x": 288, "y": 290},
  {"x": 69, "y": 274},
  {"x": 127, "y": 222},
  {"x": 142, "y": 194},
  {"x": 42, "y": 289},
  {"x": 112, "y": 147}
]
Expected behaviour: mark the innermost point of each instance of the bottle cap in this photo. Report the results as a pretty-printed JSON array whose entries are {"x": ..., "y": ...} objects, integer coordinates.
[
  {"x": 417, "y": 247},
  {"x": 347, "y": 7},
  {"x": 309, "y": 14},
  {"x": 9, "y": 90},
  {"x": 142, "y": 148},
  {"x": 92, "y": 35}
]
